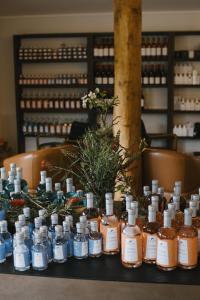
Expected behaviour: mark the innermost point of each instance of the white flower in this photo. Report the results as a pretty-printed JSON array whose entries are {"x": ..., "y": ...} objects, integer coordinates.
[
  {"x": 93, "y": 96},
  {"x": 97, "y": 90},
  {"x": 90, "y": 94}
]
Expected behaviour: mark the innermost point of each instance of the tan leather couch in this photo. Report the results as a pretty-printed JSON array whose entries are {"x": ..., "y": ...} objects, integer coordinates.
[{"x": 164, "y": 165}]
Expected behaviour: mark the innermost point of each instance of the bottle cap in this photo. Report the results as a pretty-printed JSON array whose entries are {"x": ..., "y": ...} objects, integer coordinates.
[
  {"x": 66, "y": 226},
  {"x": 54, "y": 219},
  {"x": 19, "y": 169},
  {"x": 22, "y": 219},
  {"x": 27, "y": 212},
  {"x": 48, "y": 180},
  {"x": 178, "y": 183},
  {"x": 17, "y": 182},
  {"x": 18, "y": 226},
  {"x": 73, "y": 188},
  {"x": 83, "y": 219},
  {"x": 167, "y": 218},
  {"x": 90, "y": 195},
  {"x": 188, "y": 216},
  {"x": 108, "y": 196},
  {"x": 58, "y": 228},
  {"x": 94, "y": 225},
  {"x": 3, "y": 225},
  {"x": 161, "y": 190},
  {"x": 57, "y": 186},
  {"x": 193, "y": 207},
  {"x": 25, "y": 231},
  {"x": 3, "y": 173},
  {"x": 42, "y": 212},
  {"x": 43, "y": 230},
  {"x": 129, "y": 198},
  {"x": 12, "y": 166},
  {"x": 151, "y": 208},
  {"x": 69, "y": 181},
  {"x": 43, "y": 173},
  {"x": 11, "y": 174},
  {"x": 131, "y": 216},
  {"x": 79, "y": 193},
  {"x": 155, "y": 198},
  {"x": 38, "y": 222},
  {"x": 90, "y": 200}
]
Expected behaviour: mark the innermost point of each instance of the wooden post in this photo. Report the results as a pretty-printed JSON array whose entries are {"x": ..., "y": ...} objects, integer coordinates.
[{"x": 127, "y": 36}]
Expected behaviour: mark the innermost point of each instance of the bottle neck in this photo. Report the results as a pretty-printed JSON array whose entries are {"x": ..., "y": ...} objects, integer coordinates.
[
  {"x": 90, "y": 203},
  {"x": 19, "y": 175},
  {"x": 154, "y": 188},
  {"x": 48, "y": 186},
  {"x": 167, "y": 221},
  {"x": 1, "y": 187},
  {"x": 42, "y": 179},
  {"x": 131, "y": 219},
  {"x": 152, "y": 216},
  {"x": 177, "y": 190},
  {"x": 109, "y": 208},
  {"x": 17, "y": 188},
  {"x": 3, "y": 175},
  {"x": 11, "y": 179},
  {"x": 69, "y": 188},
  {"x": 187, "y": 220}
]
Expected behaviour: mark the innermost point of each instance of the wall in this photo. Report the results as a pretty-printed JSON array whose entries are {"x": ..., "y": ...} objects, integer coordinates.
[{"x": 159, "y": 21}]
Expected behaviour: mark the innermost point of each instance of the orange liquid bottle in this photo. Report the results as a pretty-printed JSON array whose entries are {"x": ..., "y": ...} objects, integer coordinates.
[
  {"x": 187, "y": 243},
  {"x": 167, "y": 245},
  {"x": 155, "y": 203},
  {"x": 138, "y": 220},
  {"x": 195, "y": 219},
  {"x": 179, "y": 216},
  {"x": 124, "y": 216},
  {"x": 131, "y": 243}
]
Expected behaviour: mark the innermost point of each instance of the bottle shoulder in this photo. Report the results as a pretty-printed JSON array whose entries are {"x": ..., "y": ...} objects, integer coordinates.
[
  {"x": 131, "y": 231},
  {"x": 167, "y": 233},
  {"x": 187, "y": 231},
  {"x": 151, "y": 227}
]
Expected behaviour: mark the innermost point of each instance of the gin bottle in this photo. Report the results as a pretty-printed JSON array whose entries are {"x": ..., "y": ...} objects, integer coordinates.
[
  {"x": 68, "y": 238},
  {"x": 38, "y": 224},
  {"x": 27, "y": 213},
  {"x": 90, "y": 212},
  {"x": 7, "y": 237},
  {"x": 23, "y": 182},
  {"x": 124, "y": 216},
  {"x": 42, "y": 214},
  {"x": 80, "y": 243},
  {"x": 4, "y": 177},
  {"x": 95, "y": 240},
  {"x": 17, "y": 197},
  {"x": 47, "y": 242},
  {"x": 41, "y": 188},
  {"x": 21, "y": 254},
  {"x": 59, "y": 246},
  {"x": 54, "y": 222},
  {"x": 57, "y": 186},
  {"x": 39, "y": 254},
  {"x": 49, "y": 195},
  {"x": 131, "y": 243},
  {"x": 27, "y": 239}
]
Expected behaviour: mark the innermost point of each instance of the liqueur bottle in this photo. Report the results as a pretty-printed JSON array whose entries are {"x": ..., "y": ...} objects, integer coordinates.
[
  {"x": 41, "y": 188},
  {"x": 23, "y": 182},
  {"x": 80, "y": 243},
  {"x": 149, "y": 236},
  {"x": 187, "y": 243},
  {"x": 95, "y": 240},
  {"x": 39, "y": 254},
  {"x": 155, "y": 203},
  {"x": 21, "y": 254},
  {"x": 90, "y": 212},
  {"x": 110, "y": 229},
  {"x": 167, "y": 245},
  {"x": 46, "y": 242},
  {"x": 131, "y": 243},
  {"x": 68, "y": 238},
  {"x": 59, "y": 246},
  {"x": 124, "y": 216},
  {"x": 7, "y": 237}
]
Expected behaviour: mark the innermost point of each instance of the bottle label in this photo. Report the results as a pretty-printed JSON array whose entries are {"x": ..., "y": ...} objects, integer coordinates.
[
  {"x": 188, "y": 251},
  {"x": 150, "y": 241},
  {"x": 95, "y": 246},
  {"x": 80, "y": 248},
  {"x": 111, "y": 51},
  {"x": 158, "y": 51},
  {"x": 37, "y": 260},
  {"x": 58, "y": 252},
  {"x": 111, "y": 239},
  {"x": 130, "y": 250},
  {"x": 167, "y": 253},
  {"x": 164, "y": 51},
  {"x": 21, "y": 260}
]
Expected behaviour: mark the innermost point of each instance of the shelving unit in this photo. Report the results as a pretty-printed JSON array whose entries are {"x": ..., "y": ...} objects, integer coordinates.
[{"x": 158, "y": 114}]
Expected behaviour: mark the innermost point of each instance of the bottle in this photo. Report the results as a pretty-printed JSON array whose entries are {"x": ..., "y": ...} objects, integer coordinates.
[
  {"x": 42, "y": 214},
  {"x": 155, "y": 193},
  {"x": 187, "y": 243},
  {"x": 80, "y": 243},
  {"x": 161, "y": 193},
  {"x": 196, "y": 198},
  {"x": 4, "y": 202},
  {"x": 23, "y": 182},
  {"x": 167, "y": 245},
  {"x": 155, "y": 203},
  {"x": 95, "y": 240},
  {"x": 54, "y": 222},
  {"x": 83, "y": 220},
  {"x": 49, "y": 195},
  {"x": 150, "y": 236},
  {"x": 131, "y": 243},
  {"x": 17, "y": 198},
  {"x": 2, "y": 250},
  {"x": 27, "y": 214},
  {"x": 69, "y": 219},
  {"x": 138, "y": 220},
  {"x": 27, "y": 239},
  {"x": 46, "y": 242},
  {"x": 6, "y": 236},
  {"x": 172, "y": 208},
  {"x": 60, "y": 198},
  {"x": 177, "y": 192},
  {"x": 179, "y": 216},
  {"x": 22, "y": 220},
  {"x": 13, "y": 169},
  {"x": 110, "y": 228},
  {"x": 57, "y": 186},
  {"x": 68, "y": 238},
  {"x": 90, "y": 212},
  {"x": 147, "y": 196},
  {"x": 38, "y": 224},
  {"x": 59, "y": 246},
  {"x": 21, "y": 254},
  {"x": 195, "y": 219},
  {"x": 18, "y": 228},
  {"x": 4, "y": 177},
  {"x": 39, "y": 254},
  {"x": 41, "y": 188},
  {"x": 69, "y": 188},
  {"x": 124, "y": 216},
  {"x": 9, "y": 188}
]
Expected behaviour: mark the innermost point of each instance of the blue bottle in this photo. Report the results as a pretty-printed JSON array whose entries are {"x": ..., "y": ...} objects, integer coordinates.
[
  {"x": 7, "y": 237},
  {"x": 27, "y": 213},
  {"x": 59, "y": 246},
  {"x": 38, "y": 224},
  {"x": 39, "y": 254},
  {"x": 80, "y": 243},
  {"x": 47, "y": 242},
  {"x": 18, "y": 228},
  {"x": 95, "y": 240},
  {"x": 2, "y": 250},
  {"x": 42, "y": 214},
  {"x": 21, "y": 254},
  {"x": 27, "y": 239},
  {"x": 54, "y": 222},
  {"x": 68, "y": 238}
]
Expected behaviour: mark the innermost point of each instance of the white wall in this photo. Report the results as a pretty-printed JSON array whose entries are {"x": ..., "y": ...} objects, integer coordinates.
[{"x": 159, "y": 21}]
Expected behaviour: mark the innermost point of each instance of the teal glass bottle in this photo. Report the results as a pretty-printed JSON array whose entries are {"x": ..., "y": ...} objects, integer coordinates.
[
  {"x": 49, "y": 195},
  {"x": 4, "y": 177},
  {"x": 17, "y": 197},
  {"x": 60, "y": 199},
  {"x": 9, "y": 188},
  {"x": 23, "y": 182},
  {"x": 41, "y": 188},
  {"x": 21, "y": 254}
]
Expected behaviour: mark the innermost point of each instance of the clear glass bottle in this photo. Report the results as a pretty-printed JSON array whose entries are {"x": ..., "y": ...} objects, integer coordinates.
[
  {"x": 39, "y": 254},
  {"x": 21, "y": 254},
  {"x": 149, "y": 236},
  {"x": 167, "y": 245},
  {"x": 7, "y": 237},
  {"x": 42, "y": 214},
  {"x": 95, "y": 240},
  {"x": 47, "y": 242},
  {"x": 187, "y": 243},
  {"x": 23, "y": 182},
  {"x": 38, "y": 224},
  {"x": 110, "y": 228},
  {"x": 90, "y": 212},
  {"x": 41, "y": 188},
  {"x": 80, "y": 243},
  {"x": 27, "y": 214},
  {"x": 9, "y": 188},
  {"x": 131, "y": 243},
  {"x": 54, "y": 222},
  {"x": 124, "y": 216},
  {"x": 59, "y": 246},
  {"x": 155, "y": 203},
  {"x": 68, "y": 238},
  {"x": 27, "y": 239}
]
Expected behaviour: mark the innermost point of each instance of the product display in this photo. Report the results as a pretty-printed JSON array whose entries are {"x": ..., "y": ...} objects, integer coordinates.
[
  {"x": 154, "y": 74},
  {"x": 186, "y": 104},
  {"x": 184, "y": 130},
  {"x": 186, "y": 74},
  {"x": 154, "y": 47}
]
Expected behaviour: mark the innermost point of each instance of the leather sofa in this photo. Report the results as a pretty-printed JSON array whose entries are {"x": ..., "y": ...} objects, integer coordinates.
[{"x": 165, "y": 165}]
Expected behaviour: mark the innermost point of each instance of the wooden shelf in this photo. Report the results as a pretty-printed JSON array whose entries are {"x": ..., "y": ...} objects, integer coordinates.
[
  {"x": 53, "y": 86},
  {"x": 154, "y": 111},
  {"x": 187, "y": 85},
  {"x": 186, "y": 60},
  {"x": 24, "y": 61},
  {"x": 54, "y": 110},
  {"x": 154, "y": 86},
  {"x": 187, "y": 112}
]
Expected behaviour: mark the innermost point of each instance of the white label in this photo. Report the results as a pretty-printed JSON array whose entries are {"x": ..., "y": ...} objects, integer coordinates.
[
  {"x": 164, "y": 51},
  {"x": 105, "y": 52},
  {"x": 162, "y": 253},
  {"x": 19, "y": 260},
  {"x": 182, "y": 251},
  {"x": 158, "y": 51},
  {"x": 130, "y": 251},
  {"x": 84, "y": 249},
  {"x": 153, "y": 51},
  {"x": 151, "y": 247},
  {"x": 199, "y": 240},
  {"x": 111, "y": 52},
  {"x": 38, "y": 260},
  {"x": 96, "y": 52},
  {"x": 58, "y": 252},
  {"x": 151, "y": 80},
  {"x": 143, "y": 51},
  {"x": 163, "y": 80},
  {"x": 145, "y": 80},
  {"x": 111, "y": 239},
  {"x": 95, "y": 246},
  {"x": 157, "y": 80}
]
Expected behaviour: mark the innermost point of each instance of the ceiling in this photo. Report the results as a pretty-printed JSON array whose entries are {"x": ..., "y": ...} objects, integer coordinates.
[{"x": 44, "y": 7}]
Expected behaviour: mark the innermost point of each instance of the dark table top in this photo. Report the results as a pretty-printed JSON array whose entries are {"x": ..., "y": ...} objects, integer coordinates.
[{"x": 109, "y": 268}]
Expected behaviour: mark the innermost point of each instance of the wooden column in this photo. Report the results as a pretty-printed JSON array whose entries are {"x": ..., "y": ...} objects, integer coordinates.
[{"x": 127, "y": 36}]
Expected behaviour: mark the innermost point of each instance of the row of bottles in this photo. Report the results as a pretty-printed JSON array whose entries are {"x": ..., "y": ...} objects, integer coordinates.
[
  {"x": 154, "y": 47},
  {"x": 57, "y": 79},
  {"x": 104, "y": 74},
  {"x": 187, "y": 54},
  {"x": 46, "y": 128},
  {"x": 51, "y": 104},
  {"x": 63, "y": 52},
  {"x": 104, "y": 48},
  {"x": 184, "y": 130},
  {"x": 186, "y": 74},
  {"x": 186, "y": 104},
  {"x": 154, "y": 74}
]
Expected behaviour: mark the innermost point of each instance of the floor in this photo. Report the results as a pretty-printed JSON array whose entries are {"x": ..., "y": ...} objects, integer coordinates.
[{"x": 40, "y": 288}]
